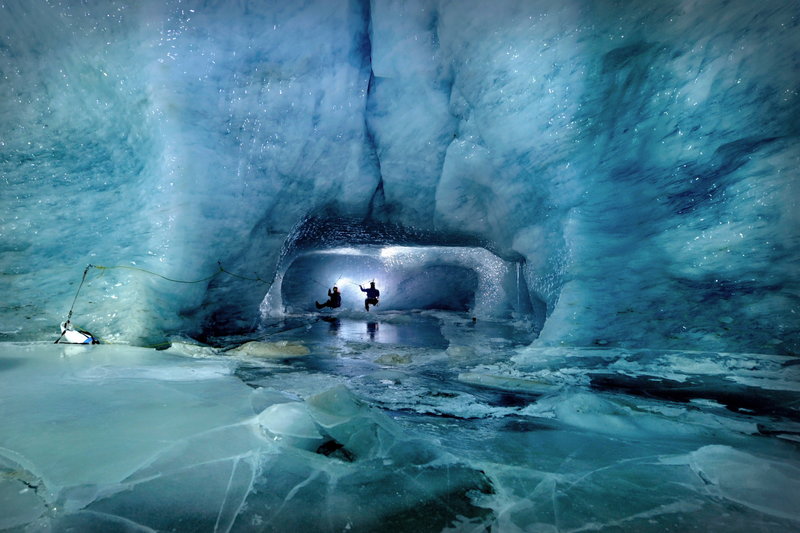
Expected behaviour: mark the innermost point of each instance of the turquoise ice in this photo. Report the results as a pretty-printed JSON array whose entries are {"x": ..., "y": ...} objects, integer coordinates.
[{"x": 582, "y": 217}]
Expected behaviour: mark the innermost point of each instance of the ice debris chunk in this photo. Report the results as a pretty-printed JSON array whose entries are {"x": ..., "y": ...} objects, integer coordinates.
[
  {"x": 394, "y": 359},
  {"x": 362, "y": 431},
  {"x": 191, "y": 349},
  {"x": 622, "y": 417},
  {"x": 759, "y": 483},
  {"x": 271, "y": 350},
  {"x": 336, "y": 422},
  {"x": 367, "y": 472},
  {"x": 292, "y": 424},
  {"x": 508, "y": 383}
]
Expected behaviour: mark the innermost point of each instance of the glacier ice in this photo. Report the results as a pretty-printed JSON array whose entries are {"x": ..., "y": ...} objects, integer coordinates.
[
  {"x": 136, "y": 437},
  {"x": 639, "y": 161},
  {"x": 503, "y": 435},
  {"x": 583, "y": 218}
]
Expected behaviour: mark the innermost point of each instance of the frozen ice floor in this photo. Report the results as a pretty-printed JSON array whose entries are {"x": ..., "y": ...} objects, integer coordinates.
[{"x": 396, "y": 422}]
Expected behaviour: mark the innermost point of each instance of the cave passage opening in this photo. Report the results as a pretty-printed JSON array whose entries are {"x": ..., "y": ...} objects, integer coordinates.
[
  {"x": 449, "y": 278},
  {"x": 414, "y": 270},
  {"x": 407, "y": 280}
]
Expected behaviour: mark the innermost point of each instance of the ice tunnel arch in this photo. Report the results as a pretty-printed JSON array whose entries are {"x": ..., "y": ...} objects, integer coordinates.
[
  {"x": 409, "y": 277},
  {"x": 413, "y": 270}
]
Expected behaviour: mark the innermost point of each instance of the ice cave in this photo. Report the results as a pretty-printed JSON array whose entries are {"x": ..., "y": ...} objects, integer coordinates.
[{"x": 582, "y": 218}]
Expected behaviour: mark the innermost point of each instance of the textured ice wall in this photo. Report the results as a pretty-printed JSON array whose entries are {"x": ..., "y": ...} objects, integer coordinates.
[
  {"x": 641, "y": 158},
  {"x": 79, "y": 149},
  {"x": 169, "y": 136}
]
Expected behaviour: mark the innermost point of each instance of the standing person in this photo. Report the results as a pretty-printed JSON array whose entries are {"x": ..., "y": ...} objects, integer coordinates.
[
  {"x": 334, "y": 299},
  {"x": 372, "y": 295}
]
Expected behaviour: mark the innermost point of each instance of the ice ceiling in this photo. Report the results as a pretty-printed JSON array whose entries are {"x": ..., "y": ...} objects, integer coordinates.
[{"x": 640, "y": 160}]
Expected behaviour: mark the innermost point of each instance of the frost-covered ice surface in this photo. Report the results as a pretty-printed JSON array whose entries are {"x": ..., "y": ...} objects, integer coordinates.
[{"x": 414, "y": 421}]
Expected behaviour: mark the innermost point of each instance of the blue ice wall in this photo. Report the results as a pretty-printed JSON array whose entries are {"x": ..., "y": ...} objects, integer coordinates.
[
  {"x": 641, "y": 157},
  {"x": 169, "y": 136}
]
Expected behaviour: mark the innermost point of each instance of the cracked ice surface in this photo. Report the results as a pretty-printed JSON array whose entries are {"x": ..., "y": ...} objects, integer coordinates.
[
  {"x": 397, "y": 421},
  {"x": 131, "y": 438}
]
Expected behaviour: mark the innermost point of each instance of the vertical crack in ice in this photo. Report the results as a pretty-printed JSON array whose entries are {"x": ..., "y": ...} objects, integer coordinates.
[
  {"x": 299, "y": 486},
  {"x": 554, "y": 498},
  {"x": 377, "y": 202},
  {"x": 291, "y": 494},
  {"x": 185, "y": 468},
  {"x": 333, "y": 488},
  {"x": 231, "y": 519},
  {"x": 412, "y": 479},
  {"x": 227, "y": 492}
]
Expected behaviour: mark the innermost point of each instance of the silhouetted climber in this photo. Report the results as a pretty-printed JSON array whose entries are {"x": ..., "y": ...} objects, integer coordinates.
[
  {"x": 372, "y": 295},
  {"x": 334, "y": 299}
]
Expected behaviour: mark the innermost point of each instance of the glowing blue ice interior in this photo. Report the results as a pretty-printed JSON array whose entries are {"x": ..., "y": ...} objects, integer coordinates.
[
  {"x": 417, "y": 285},
  {"x": 582, "y": 217},
  {"x": 471, "y": 280}
]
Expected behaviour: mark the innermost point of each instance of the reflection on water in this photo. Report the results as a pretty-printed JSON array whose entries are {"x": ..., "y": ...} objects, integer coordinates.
[
  {"x": 412, "y": 329},
  {"x": 372, "y": 330},
  {"x": 422, "y": 331},
  {"x": 333, "y": 324}
]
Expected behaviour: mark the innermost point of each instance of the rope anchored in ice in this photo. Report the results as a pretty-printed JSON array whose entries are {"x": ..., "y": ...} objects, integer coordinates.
[{"x": 77, "y": 336}]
